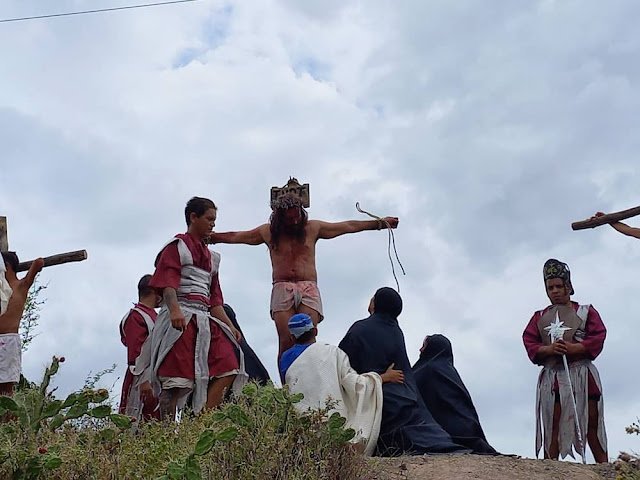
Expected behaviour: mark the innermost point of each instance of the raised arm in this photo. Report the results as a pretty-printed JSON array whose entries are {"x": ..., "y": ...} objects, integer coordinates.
[
  {"x": 34, "y": 269},
  {"x": 331, "y": 230},
  {"x": 622, "y": 227},
  {"x": 626, "y": 229},
  {"x": 248, "y": 237}
]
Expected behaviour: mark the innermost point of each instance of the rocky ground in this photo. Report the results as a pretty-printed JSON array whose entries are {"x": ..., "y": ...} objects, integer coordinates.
[{"x": 462, "y": 467}]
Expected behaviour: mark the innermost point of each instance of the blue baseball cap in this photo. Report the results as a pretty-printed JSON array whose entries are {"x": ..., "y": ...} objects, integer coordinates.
[{"x": 299, "y": 324}]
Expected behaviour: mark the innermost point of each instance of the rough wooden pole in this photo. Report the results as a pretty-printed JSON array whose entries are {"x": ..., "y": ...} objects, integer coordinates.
[
  {"x": 604, "y": 219},
  {"x": 58, "y": 259},
  {"x": 4, "y": 237}
]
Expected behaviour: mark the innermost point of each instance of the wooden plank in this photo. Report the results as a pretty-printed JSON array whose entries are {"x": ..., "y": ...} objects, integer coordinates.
[
  {"x": 605, "y": 219},
  {"x": 59, "y": 259},
  {"x": 4, "y": 236}
]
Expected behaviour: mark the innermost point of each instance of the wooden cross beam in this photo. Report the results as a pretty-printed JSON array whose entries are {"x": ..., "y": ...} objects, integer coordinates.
[
  {"x": 604, "y": 219},
  {"x": 58, "y": 259}
]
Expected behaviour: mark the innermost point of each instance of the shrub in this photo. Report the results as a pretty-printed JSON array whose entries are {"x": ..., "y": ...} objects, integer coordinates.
[{"x": 258, "y": 435}]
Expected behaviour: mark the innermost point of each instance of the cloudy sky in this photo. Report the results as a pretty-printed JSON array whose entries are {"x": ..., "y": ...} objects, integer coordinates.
[{"x": 487, "y": 127}]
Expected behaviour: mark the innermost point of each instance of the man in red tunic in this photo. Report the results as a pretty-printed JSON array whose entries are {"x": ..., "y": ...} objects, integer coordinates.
[
  {"x": 582, "y": 342},
  {"x": 137, "y": 398},
  {"x": 194, "y": 346}
]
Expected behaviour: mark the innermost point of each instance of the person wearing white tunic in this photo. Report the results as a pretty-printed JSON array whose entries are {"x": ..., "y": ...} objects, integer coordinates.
[{"x": 322, "y": 373}]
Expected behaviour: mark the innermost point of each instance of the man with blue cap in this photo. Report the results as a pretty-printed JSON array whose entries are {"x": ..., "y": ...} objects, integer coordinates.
[{"x": 322, "y": 372}]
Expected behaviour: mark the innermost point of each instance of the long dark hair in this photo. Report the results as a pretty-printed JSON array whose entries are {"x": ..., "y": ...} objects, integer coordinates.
[{"x": 276, "y": 226}]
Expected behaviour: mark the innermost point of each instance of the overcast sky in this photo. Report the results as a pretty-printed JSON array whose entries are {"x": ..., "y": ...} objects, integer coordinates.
[{"x": 487, "y": 127}]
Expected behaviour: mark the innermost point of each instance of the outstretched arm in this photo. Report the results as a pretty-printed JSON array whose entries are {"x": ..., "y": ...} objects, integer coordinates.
[
  {"x": 622, "y": 227},
  {"x": 30, "y": 277},
  {"x": 331, "y": 230},
  {"x": 248, "y": 237},
  {"x": 626, "y": 229}
]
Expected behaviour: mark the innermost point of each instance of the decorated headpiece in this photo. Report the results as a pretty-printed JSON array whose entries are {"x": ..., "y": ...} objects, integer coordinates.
[{"x": 556, "y": 269}]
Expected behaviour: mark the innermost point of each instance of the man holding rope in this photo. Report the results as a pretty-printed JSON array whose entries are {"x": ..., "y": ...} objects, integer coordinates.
[{"x": 291, "y": 238}]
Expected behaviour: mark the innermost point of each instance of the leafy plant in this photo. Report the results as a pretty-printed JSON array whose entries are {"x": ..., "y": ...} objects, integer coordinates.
[
  {"x": 34, "y": 408},
  {"x": 31, "y": 314},
  {"x": 260, "y": 434}
]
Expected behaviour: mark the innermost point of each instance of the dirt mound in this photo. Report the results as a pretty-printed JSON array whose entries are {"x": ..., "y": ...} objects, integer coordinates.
[{"x": 479, "y": 467}]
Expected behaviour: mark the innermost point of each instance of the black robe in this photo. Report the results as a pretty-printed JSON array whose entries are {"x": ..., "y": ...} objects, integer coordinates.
[
  {"x": 254, "y": 367},
  {"x": 446, "y": 397},
  {"x": 407, "y": 427}
]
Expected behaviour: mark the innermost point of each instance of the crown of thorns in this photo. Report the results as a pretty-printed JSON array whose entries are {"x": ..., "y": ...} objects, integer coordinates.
[{"x": 286, "y": 201}]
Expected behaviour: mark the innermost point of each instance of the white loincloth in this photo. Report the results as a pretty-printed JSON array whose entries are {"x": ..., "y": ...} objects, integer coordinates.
[{"x": 10, "y": 358}]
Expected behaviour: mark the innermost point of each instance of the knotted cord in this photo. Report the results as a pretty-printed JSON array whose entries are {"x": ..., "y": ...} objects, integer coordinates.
[{"x": 392, "y": 241}]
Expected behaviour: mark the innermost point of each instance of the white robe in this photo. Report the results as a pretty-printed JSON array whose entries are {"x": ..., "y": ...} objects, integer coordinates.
[{"x": 323, "y": 371}]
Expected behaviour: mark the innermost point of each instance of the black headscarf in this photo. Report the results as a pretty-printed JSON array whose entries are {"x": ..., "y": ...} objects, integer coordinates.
[
  {"x": 438, "y": 348},
  {"x": 387, "y": 300},
  {"x": 556, "y": 269},
  {"x": 446, "y": 396}
]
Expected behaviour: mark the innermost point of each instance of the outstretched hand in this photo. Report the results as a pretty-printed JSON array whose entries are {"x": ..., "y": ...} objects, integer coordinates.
[
  {"x": 38, "y": 264},
  {"x": 392, "y": 376},
  {"x": 391, "y": 221},
  {"x": 36, "y": 267}
]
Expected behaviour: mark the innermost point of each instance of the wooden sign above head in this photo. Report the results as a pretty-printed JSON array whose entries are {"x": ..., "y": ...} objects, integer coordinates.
[
  {"x": 4, "y": 238},
  {"x": 293, "y": 188}
]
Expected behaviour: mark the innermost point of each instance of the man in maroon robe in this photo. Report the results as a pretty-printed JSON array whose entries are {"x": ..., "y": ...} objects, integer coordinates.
[
  {"x": 138, "y": 401},
  {"x": 194, "y": 346},
  {"x": 582, "y": 342}
]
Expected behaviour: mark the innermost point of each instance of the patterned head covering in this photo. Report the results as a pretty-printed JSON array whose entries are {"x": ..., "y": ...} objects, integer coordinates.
[
  {"x": 556, "y": 269},
  {"x": 299, "y": 324}
]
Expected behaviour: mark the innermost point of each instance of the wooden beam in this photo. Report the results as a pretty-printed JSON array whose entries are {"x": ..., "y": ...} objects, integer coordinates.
[
  {"x": 4, "y": 237},
  {"x": 604, "y": 219},
  {"x": 59, "y": 259}
]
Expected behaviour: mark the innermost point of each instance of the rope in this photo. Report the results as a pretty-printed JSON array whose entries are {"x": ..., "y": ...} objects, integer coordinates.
[{"x": 392, "y": 241}]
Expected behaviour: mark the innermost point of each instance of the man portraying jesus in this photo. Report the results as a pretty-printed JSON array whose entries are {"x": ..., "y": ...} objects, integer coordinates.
[{"x": 291, "y": 238}]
